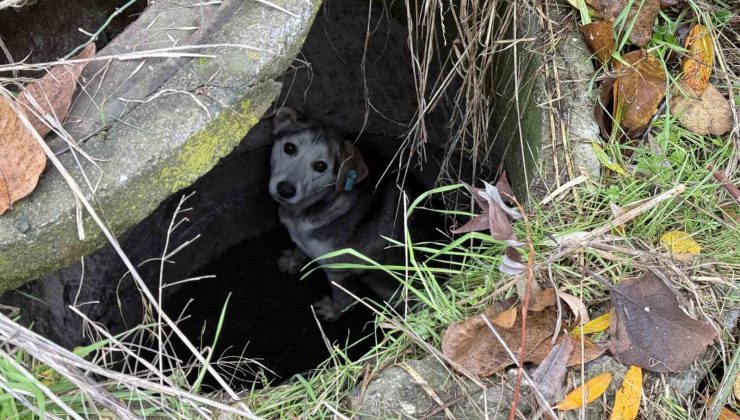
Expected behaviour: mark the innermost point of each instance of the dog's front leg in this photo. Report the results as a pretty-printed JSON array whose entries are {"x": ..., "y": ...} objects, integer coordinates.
[
  {"x": 331, "y": 308},
  {"x": 292, "y": 260}
]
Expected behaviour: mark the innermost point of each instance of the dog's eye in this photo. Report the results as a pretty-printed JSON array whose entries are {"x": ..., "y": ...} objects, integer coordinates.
[
  {"x": 319, "y": 166},
  {"x": 289, "y": 148}
]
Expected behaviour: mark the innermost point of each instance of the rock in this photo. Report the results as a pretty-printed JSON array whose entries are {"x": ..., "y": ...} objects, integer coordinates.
[{"x": 414, "y": 389}]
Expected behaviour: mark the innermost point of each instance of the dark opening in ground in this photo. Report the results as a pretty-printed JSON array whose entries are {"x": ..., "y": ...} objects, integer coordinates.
[{"x": 268, "y": 317}]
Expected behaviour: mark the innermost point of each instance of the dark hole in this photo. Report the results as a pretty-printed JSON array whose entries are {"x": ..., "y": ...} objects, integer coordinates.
[{"x": 268, "y": 317}]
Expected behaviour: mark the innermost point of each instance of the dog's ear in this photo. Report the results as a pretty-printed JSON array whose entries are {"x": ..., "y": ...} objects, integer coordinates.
[
  {"x": 284, "y": 118},
  {"x": 352, "y": 168}
]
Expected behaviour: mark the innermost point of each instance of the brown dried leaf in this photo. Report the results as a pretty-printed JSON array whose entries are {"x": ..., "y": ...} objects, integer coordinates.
[
  {"x": 576, "y": 306},
  {"x": 53, "y": 92},
  {"x": 711, "y": 113},
  {"x": 650, "y": 330},
  {"x": 646, "y": 13},
  {"x": 495, "y": 216},
  {"x": 638, "y": 90},
  {"x": 603, "y": 114},
  {"x": 698, "y": 62},
  {"x": 549, "y": 375},
  {"x": 542, "y": 298},
  {"x": 598, "y": 36},
  {"x": 474, "y": 348},
  {"x": 504, "y": 188},
  {"x": 590, "y": 351},
  {"x": 21, "y": 159},
  {"x": 506, "y": 318}
]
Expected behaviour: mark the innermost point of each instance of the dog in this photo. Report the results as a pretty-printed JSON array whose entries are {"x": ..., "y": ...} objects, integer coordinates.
[{"x": 328, "y": 202}]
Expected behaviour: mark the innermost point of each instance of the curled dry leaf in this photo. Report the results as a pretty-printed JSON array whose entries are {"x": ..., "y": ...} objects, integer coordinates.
[
  {"x": 549, "y": 375},
  {"x": 598, "y": 36},
  {"x": 698, "y": 62},
  {"x": 576, "y": 306},
  {"x": 511, "y": 263},
  {"x": 598, "y": 324},
  {"x": 710, "y": 113},
  {"x": 474, "y": 348},
  {"x": 627, "y": 401},
  {"x": 496, "y": 215},
  {"x": 542, "y": 298},
  {"x": 650, "y": 330},
  {"x": 680, "y": 244},
  {"x": 594, "y": 388},
  {"x": 21, "y": 159},
  {"x": 52, "y": 94},
  {"x": 638, "y": 90}
]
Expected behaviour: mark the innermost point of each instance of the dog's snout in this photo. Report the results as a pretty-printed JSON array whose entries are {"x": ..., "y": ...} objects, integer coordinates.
[{"x": 285, "y": 189}]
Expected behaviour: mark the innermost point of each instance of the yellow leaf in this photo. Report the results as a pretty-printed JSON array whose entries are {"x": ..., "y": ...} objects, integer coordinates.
[
  {"x": 595, "y": 325},
  {"x": 594, "y": 388},
  {"x": 606, "y": 160},
  {"x": 627, "y": 401},
  {"x": 680, "y": 243},
  {"x": 698, "y": 62}
]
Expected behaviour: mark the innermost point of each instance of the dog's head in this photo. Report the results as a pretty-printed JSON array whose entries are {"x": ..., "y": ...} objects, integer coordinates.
[{"x": 309, "y": 161}]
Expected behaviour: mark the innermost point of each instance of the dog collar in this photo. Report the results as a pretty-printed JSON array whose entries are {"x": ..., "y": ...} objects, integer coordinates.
[{"x": 349, "y": 182}]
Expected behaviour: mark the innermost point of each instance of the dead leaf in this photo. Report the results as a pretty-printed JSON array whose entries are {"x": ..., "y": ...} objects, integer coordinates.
[
  {"x": 727, "y": 414},
  {"x": 496, "y": 215},
  {"x": 506, "y": 318},
  {"x": 680, "y": 244},
  {"x": 53, "y": 92},
  {"x": 595, "y": 325},
  {"x": 627, "y": 401},
  {"x": 590, "y": 351},
  {"x": 642, "y": 12},
  {"x": 594, "y": 387},
  {"x": 638, "y": 90},
  {"x": 698, "y": 62},
  {"x": 549, "y": 375},
  {"x": 600, "y": 40},
  {"x": 576, "y": 306},
  {"x": 504, "y": 188},
  {"x": 603, "y": 111},
  {"x": 710, "y": 113},
  {"x": 21, "y": 159},
  {"x": 511, "y": 263},
  {"x": 473, "y": 347},
  {"x": 542, "y": 299},
  {"x": 650, "y": 330}
]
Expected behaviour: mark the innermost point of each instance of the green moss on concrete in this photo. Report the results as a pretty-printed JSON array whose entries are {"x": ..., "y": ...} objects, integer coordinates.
[{"x": 204, "y": 149}]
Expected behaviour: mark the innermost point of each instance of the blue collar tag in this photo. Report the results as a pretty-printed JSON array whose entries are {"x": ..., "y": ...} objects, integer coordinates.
[{"x": 349, "y": 182}]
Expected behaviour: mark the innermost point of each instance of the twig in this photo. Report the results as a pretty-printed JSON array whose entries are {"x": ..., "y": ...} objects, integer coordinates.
[
  {"x": 725, "y": 182},
  {"x": 525, "y": 308}
]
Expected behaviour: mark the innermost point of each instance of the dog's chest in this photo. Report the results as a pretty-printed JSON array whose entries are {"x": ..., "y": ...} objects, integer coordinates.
[{"x": 301, "y": 233}]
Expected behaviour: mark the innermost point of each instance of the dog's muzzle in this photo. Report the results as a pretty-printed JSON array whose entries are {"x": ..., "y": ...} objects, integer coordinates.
[{"x": 286, "y": 190}]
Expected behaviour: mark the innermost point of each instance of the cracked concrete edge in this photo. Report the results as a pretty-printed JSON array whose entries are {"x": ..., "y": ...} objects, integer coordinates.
[{"x": 159, "y": 147}]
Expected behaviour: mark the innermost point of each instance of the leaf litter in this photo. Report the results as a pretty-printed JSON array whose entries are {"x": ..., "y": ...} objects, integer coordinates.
[
  {"x": 592, "y": 389},
  {"x": 629, "y": 395},
  {"x": 650, "y": 330}
]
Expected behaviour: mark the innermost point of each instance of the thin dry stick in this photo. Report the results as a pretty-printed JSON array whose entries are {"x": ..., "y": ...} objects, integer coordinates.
[
  {"x": 525, "y": 308},
  {"x": 130, "y": 266},
  {"x": 725, "y": 182}
]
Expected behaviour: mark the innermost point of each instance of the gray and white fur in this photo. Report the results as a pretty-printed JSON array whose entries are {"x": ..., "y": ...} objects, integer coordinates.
[{"x": 327, "y": 203}]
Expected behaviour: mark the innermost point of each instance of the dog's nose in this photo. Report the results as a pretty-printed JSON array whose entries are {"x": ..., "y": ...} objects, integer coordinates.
[{"x": 285, "y": 189}]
